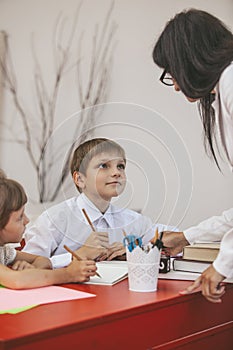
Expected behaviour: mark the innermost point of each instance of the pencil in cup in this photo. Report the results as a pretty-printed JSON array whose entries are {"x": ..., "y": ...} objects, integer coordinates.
[
  {"x": 77, "y": 257},
  {"x": 155, "y": 238}
]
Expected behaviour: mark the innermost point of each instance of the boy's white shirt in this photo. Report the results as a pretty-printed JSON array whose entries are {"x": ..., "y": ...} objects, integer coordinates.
[{"x": 65, "y": 224}]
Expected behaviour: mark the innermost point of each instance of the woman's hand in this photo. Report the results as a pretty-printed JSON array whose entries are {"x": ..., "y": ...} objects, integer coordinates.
[
  {"x": 174, "y": 242},
  {"x": 209, "y": 282}
]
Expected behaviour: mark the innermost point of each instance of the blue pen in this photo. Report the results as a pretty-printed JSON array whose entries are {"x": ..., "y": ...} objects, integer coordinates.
[{"x": 132, "y": 241}]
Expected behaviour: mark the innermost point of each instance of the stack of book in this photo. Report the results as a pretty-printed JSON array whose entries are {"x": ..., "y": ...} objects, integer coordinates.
[{"x": 196, "y": 257}]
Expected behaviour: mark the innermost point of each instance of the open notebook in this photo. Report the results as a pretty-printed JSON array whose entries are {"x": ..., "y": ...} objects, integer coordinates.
[{"x": 111, "y": 272}]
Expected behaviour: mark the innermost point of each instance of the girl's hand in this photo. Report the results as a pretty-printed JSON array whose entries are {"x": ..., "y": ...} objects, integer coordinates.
[
  {"x": 80, "y": 271},
  {"x": 22, "y": 265},
  {"x": 42, "y": 263}
]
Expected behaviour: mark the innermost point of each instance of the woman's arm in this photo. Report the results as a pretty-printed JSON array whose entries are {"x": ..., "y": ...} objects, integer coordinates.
[{"x": 212, "y": 229}]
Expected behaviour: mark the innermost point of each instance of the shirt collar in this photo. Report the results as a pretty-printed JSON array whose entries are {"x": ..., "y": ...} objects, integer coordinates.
[{"x": 93, "y": 212}]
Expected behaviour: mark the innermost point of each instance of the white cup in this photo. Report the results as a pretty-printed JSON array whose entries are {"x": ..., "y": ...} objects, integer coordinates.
[{"x": 143, "y": 269}]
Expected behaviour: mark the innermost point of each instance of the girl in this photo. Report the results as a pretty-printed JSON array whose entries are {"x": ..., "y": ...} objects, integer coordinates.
[{"x": 27, "y": 270}]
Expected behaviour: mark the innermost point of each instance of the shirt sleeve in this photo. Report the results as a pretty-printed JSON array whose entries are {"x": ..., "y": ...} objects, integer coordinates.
[
  {"x": 42, "y": 237},
  {"x": 212, "y": 229},
  {"x": 224, "y": 261},
  {"x": 217, "y": 228},
  {"x": 61, "y": 260}
]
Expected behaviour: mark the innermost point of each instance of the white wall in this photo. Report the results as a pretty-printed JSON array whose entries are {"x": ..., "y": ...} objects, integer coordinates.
[{"x": 170, "y": 177}]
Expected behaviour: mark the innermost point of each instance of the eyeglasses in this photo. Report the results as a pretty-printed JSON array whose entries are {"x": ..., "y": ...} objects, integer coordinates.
[{"x": 166, "y": 78}]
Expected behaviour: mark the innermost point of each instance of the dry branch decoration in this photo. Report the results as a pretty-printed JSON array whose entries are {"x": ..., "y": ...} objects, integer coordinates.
[{"x": 91, "y": 91}]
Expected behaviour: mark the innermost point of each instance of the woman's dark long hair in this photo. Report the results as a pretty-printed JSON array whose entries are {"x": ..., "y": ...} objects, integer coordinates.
[{"x": 195, "y": 48}]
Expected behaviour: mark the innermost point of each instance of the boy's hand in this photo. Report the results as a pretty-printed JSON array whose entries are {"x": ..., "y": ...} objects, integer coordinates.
[
  {"x": 80, "y": 271},
  {"x": 115, "y": 250},
  {"x": 97, "y": 239},
  {"x": 22, "y": 265},
  {"x": 174, "y": 242},
  {"x": 95, "y": 246}
]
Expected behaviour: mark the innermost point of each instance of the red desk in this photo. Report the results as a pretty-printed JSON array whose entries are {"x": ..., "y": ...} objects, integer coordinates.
[{"x": 119, "y": 319}]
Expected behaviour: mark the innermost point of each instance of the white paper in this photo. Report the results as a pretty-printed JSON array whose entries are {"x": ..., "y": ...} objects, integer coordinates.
[{"x": 111, "y": 272}]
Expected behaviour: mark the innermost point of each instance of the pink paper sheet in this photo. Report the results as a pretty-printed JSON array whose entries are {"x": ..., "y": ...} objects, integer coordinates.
[{"x": 10, "y": 299}]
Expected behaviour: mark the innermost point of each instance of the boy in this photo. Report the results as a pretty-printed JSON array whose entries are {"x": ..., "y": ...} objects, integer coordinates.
[{"x": 98, "y": 171}]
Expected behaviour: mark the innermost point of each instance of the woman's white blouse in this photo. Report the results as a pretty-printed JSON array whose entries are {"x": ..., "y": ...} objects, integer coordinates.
[
  {"x": 221, "y": 227},
  {"x": 223, "y": 106}
]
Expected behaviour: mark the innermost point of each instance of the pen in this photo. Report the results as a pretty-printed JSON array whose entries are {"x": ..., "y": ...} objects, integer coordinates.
[
  {"x": 137, "y": 241},
  {"x": 77, "y": 257},
  {"x": 160, "y": 242},
  {"x": 157, "y": 241},
  {"x": 161, "y": 236},
  {"x": 88, "y": 219}
]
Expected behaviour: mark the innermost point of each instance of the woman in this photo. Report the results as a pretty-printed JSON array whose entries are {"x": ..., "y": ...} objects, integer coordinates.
[{"x": 195, "y": 51}]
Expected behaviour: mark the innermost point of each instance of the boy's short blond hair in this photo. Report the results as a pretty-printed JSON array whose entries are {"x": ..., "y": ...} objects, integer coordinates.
[{"x": 89, "y": 149}]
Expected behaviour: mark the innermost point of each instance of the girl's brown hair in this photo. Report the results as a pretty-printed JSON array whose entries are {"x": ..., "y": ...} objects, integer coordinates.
[{"x": 12, "y": 198}]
